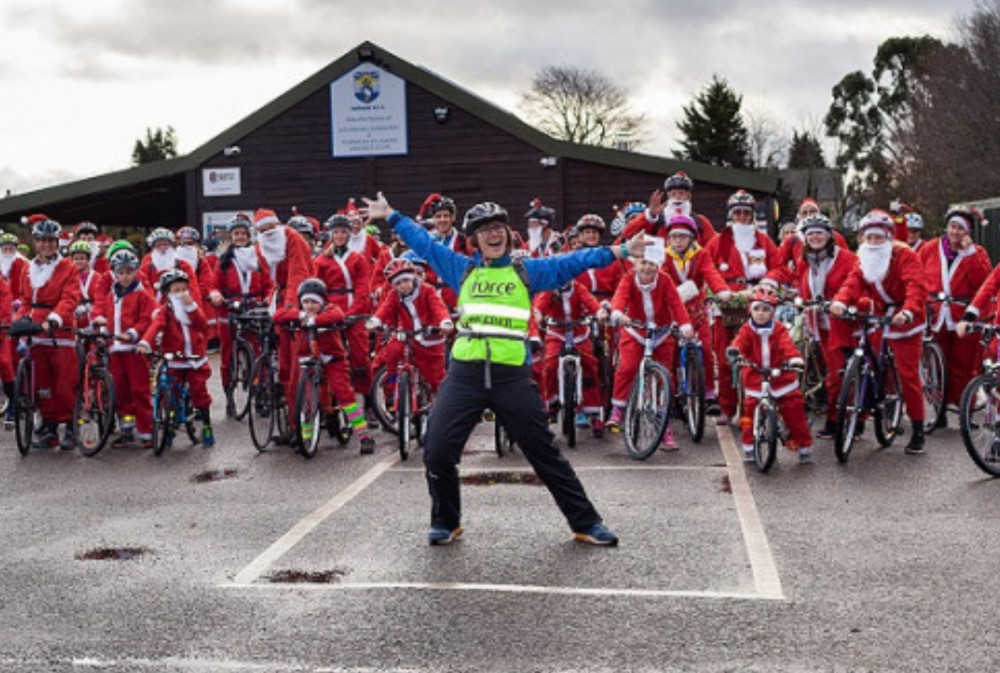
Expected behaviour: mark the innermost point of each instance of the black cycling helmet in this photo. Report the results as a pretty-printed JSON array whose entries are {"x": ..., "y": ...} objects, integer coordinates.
[
  {"x": 482, "y": 214},
  {"x": 124, "y": 259},
  {"x": 338, "y": 220},
  {"x": 678, "y": 180},
  {"x": 433, "y": 205},
  {"x": 170, "y": 277},
  {"x": 86, "y": 228},
  {"x": 43, "y": 227},
  {"x": 301, "y": 224},
  {"x": 541, "y": 213},
  {"x": 314, "y": 286}
]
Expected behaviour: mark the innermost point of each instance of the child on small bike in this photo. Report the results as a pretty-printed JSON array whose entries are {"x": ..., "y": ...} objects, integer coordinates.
[
  {"x": 649, "y": 295},
  {"x": 182, "y": 327},
  {"x": 765, "y": 342},
  {"x": 128, "y": 308},
  {"x": 314, "y": 309},
  {"x": 412, "y": 306}
]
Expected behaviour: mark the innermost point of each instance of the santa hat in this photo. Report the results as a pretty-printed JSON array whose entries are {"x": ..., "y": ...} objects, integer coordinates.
[
  {"x": 965, "y": 218},
  {"x": 350, "y": 210},
  {"x": 428, "y": 202},
  {"x": 264, "y": 217},
  {"x": 37, "y": 217}
]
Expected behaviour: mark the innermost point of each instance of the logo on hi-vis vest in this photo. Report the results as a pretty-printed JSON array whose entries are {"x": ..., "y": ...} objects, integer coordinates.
[{"x": 487, "y": 289}]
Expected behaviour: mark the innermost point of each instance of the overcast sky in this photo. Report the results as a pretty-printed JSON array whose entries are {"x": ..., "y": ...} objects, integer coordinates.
[{"x": 81, "y": 80}]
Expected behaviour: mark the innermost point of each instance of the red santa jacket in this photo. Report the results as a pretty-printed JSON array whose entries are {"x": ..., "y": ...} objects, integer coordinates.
[
  {"x": 730, "y": 261},
  {"x": 16, "y": 276},
  {"x": 603, "y": 282},
  {"x": 812, "y": 284},
  {"x": 574, "y": 304},
  {"x": 234, "y": 284},
  {"x": 423, "y": 308},
  {"x": 128, "y": 311},
  {"x": 655, "y": 227},
  {"x": 767, "y": 346},
  {"x": 6, "y": 307},
  {"x": 51, "y": 292},
  {"x": 984, "y": 305},
  {"x": 329, "y": 343},
  {"x": 788, "y": 269},
  {"x": 185, "y": 334},
  {"x": 659, "y": 303},
  {"x": 288, "y": 271},
  {"x": 346, "y": 280},
  {"x": 697, "y": 267},
  {"x": 902, "y": 289},
  {"x": 960, "y": 280},
  {"x": 366, "y": 245},
  {"x": 152, "y": 274}
]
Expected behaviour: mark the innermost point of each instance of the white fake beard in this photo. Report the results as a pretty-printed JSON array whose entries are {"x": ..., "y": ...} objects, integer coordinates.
[
  {"x": 745, "y": 236},
  {"x": 534, "y": 238},
  {"x": 6, "y": 261},
  {"x": 180, "y": 309},
  {"x": 246, "y": 259},
  {"x": 164, "y": 260},
  {"x": 39, "y": 274},
  {"x": 874, "y": 260},
  {"x": 189, "y": 254},
  {"x": 356, "y": 241},
  {"x": 272, "y": 245},
  {"x": 677, "y": 208}
]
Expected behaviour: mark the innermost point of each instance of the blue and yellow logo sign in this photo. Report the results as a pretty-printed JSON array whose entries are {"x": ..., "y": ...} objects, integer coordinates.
[{"x": 366, "y": 85}]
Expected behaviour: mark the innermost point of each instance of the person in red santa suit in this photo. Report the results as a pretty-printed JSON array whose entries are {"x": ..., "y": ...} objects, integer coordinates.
[
  {"x": 50, "y": 293},
  {"x": 890, "y": 280},
  {"x": 162, "y": 257},
  {"x": 914, "y": 231},
  {"x": 360, "y": 241},
  {"x": 692, "y": 270},
  {"x": 242, "y": 276},
  {"x": 543, "y": 239},
  {"x": 204, "y": 266},
  {"x": 6, "y": 358},
  {"x": 790, "y": 252},
  {"x": 80, "y": 254},
  {"x": 743, "y": 255},
  {"x": 181, "y": 325},
  {"x": 673, "y": 199},
  {"x": 288, "y": 260},
  {"x": 955, "y": 267},
  {"x": 89, "y": 232},
  {"x": 765, "y": 342},
  {"x": 128, "y": 310},
  {"x": 347, "y": 274},
  {"x": 602, "y": 282},
  {"x": 822, "y": 268},
  {"x": 649, "y": 295}
]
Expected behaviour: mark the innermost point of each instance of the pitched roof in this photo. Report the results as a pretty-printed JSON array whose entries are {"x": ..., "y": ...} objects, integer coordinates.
[{"x": 431, "y": 82}]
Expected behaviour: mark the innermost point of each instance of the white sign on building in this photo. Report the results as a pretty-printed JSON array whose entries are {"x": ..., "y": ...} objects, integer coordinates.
[
  {"x": 220, "y": 181},
  {"x": 368, "y": 107},
  {"x": 218, "y": 221}
]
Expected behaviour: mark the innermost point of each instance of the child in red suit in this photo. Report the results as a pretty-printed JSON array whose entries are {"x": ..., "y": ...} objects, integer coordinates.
[
  {"x": 571, "y": 302},
  {"x": 765, "y": 342},
  {"x": 317, "y": 310},
  {"x": 648, "y": 295},
  {"x": 182, "y": 326},
  {"x": 129, "y": 307},
  {"x": 412, "y": 306}
]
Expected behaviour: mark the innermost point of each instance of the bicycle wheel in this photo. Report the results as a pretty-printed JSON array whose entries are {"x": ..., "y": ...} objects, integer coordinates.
[
  {"x": 605, "y": 378},
  {"x": 239, "y": 379},
  {"x": 24, "y": 407},
  {"x": 163, "y": 419},
  {"x": 404, "y": 413},
  {"x": 502, "y": 442},
  {"x": 889, "y": 410},
  {"x": 261, "y": 410},
  {"x": 694, "y": 396},
  {"x": 979, "y": 422},
  {"x": 812, "y": 380},
  {"x": 850, "y": 405},
  {"x": 568, "y": 410},
  {"x": 94, "y": 414},
  {"x": 765, "y": 436},
  {"x": 308, "y": 416},
  {"x": 647, "y": 411},
  {"x": 932, "y": 382},
  {"x": 423, "y": 411},
  {"x": 384, "y": 395}
]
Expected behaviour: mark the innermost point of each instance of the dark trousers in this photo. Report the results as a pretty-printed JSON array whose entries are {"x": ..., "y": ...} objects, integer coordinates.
[{"x": 513, "y": 396}]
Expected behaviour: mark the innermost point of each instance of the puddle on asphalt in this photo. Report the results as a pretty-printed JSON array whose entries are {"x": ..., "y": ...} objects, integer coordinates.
[
  {"x": 113, "y": 554},
  {"x": 494, "y": 478},
  {"x": 214, "y": 475},
  {"x": 306, "y": 576}
]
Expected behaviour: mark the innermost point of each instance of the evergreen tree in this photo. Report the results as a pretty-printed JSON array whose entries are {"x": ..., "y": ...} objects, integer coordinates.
[
  {"x": 158, "y": 145},
  {"x": 805, "y": 151},
  {"x": 713, "y": 128}
]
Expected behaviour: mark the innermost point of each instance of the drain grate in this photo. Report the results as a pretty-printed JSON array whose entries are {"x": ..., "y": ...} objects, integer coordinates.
[
  {"x": 494, "y": 478},
  {"x": 113, "y": 554},
  {"x": 214, "y": 475},
  {"x": 306, "y": 576}
]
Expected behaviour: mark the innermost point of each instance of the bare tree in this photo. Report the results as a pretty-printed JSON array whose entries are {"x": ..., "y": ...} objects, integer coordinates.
[
  {"x": 768, "y": 139},
  {"x": 582, "y": 106}
]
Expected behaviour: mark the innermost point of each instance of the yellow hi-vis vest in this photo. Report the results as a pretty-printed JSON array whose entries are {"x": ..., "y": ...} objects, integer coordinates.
[{"x": 495, "y": 303}]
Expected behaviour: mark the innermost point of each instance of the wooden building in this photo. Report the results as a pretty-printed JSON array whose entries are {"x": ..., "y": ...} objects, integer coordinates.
[{"x": 372, "y": 121}]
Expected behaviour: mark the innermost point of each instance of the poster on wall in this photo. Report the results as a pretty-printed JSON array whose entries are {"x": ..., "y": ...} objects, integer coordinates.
[
  {"x": 368, "y": 107},
  {"x": 220, "y": 181},
  {"x": 216, "y": 223}
]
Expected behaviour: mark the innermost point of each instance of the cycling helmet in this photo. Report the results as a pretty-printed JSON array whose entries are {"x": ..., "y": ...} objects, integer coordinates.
[
  {"x": 414, "y": 258},
  {"x": 43, "y": 227},
  {"x": 124, "y": 258},
  {"x": 591, "y": 221},
  {"x": 482, "y": 214},
  {"x": 543, "y": 214},
  {"x": 764, "y": 292},
  {"x": 914, "y": 222},
  {"x": 399, "y": 269},
  {"x": 373, "y": 230},
  {"x": 312, "y": 288},
  {"x": 877, "y": 219},
  {"x": 120, "y": 244},
  {"x": 85, "y": 228},
  {"x": 8, "y": 238},
  {"x": 79, "y": 247},
  {"x": 967, "y": 217},
  {"x": 678, "y": 180},
  {"x": 338, "y": 220},
  {"x": 159, "y": 234},
  {"x": 301, "y": 224},
  {"x": 170, "y": 277},
  {"x": 435, "y": 203},
  {"x": 740, "y": 199},
  {"x": 239, "y": 220},
  {"x": 815, "y": 222},
  {"x": 188, "y": 233},
  {"x": 682, "y": 224}
]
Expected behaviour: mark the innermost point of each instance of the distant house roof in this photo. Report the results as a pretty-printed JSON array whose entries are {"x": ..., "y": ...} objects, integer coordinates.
[
  {"x": 823, "y": 184},
  {"x": 433, "y": 83}
]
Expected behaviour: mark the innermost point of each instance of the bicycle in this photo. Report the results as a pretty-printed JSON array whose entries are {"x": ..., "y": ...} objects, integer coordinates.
[
  {"x": 94, "y": 412},
  {"x": 172, "y": 405},
  {"x": 647, "y": 411},
  {"x": 933, "y": 372},
  {"x": 246, "y": 318},
  {"x": 979, "y": 409},
  {"x": 812, "y": 378},
  {"x": 570, "y": 374},
  {"x": 871, "y": 383},
  {"x": 689, "y": 373},
  {"x": 26, "y": 416},
  {"x": 266, "y": 404},
  {"x": 768, "y": 427}
]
